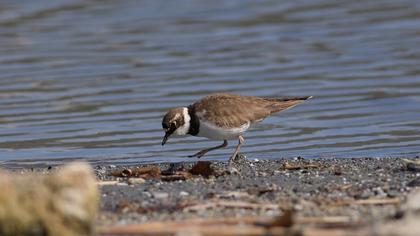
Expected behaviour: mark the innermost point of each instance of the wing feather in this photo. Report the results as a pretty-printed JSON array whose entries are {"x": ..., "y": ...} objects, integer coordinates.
[{"x": 230, "y": 111}]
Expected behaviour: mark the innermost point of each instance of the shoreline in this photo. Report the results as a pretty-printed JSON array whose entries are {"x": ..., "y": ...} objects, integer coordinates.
[
  {"x": 364, "y": 191},
  {"x": 312, "y": 194}
]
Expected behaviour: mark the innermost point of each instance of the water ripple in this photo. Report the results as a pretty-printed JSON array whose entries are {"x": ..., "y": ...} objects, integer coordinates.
[{"x": 82, "y": 80}]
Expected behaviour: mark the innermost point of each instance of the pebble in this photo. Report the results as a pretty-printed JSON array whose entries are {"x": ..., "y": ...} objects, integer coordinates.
[
  {"x": 147, "y": 194},
  {"x": 160, "y": 195},
  {"x": 135, "y": 181},
  {"x": 413, "y": 167},
  {"x": 379, "y": 192},
  {"x": 183, "y": 194},
  {"x": 360, "y": 174},
  {"x": 414, "y": 183}
]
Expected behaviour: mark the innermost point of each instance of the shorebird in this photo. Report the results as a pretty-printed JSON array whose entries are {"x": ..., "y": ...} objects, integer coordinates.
[{"x": 223, "y": 116}]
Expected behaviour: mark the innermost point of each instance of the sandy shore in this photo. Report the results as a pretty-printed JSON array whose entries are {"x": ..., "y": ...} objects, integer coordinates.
[
  {"x": 361, "y": 191},
  {"x": 362, "y": 196}
]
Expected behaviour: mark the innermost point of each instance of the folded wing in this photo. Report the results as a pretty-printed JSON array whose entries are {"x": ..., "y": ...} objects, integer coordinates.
[{"x": 230, "y": 111}]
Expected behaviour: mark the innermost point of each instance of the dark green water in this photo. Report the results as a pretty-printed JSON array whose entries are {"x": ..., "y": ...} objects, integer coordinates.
[{"x": 91, "y": 79}]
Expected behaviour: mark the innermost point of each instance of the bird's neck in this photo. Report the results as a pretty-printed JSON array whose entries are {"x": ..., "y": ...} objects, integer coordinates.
[{"x": 194, "y": 122}]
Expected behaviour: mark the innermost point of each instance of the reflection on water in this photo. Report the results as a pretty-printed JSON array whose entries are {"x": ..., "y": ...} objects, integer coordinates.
[{"x": 91, "y": 79}]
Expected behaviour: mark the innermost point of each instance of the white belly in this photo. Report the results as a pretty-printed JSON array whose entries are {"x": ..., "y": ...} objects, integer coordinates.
[{"x": 214, "y": 132}]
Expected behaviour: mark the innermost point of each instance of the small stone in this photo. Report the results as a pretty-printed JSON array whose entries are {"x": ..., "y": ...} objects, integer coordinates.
[
  {"x": 135, "y": 181},
  {"x": 412, "y": 165},
  {"x": 414, "y": 183},
  {"x": 379, "y": 192},
  {"x": 393, "y": 193},
  {"x": 365, "y": 194},
  {"x": 183, "y": 194},
  {"x": 126, "y": 173},
  {"x": 147, "y": 194},
  {"x": 202, "y": 168},
  {"x": 161, "y": 195}
]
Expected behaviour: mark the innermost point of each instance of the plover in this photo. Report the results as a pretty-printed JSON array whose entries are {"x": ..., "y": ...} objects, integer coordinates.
[{"x": 223, "y": 116}]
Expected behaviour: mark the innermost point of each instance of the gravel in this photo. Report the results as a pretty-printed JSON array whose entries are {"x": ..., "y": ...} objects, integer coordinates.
[{"x": 262, "y": 188}]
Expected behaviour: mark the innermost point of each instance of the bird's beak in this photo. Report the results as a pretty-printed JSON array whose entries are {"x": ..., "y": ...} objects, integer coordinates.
[{"x": 165, "y": 138}]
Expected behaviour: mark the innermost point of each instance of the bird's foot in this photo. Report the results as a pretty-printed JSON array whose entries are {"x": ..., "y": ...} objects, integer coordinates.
[
  {"x": 231, "y": 164},
  {"x": 231, "y": 169},
  {"x": 240, "y": 157},
  {"x": 237, "y": 158}
]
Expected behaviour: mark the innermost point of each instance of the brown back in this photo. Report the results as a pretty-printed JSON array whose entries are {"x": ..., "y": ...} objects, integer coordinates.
[{"x": 230, "y": 110}]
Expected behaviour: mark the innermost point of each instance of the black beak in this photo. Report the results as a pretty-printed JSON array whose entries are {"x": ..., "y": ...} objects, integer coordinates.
[{"x": 167, "y": 134}]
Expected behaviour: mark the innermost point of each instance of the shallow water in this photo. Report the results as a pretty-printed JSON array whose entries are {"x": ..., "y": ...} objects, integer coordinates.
[{"x": 91, "y": 79}]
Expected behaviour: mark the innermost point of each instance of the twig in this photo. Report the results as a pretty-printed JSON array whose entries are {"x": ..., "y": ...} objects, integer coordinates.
[
  {"x": 107, "y": 182},
  {"x": 370, "y": 201}
]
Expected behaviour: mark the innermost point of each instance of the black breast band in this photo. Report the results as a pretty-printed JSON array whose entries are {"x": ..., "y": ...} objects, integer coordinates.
[{"x": 194, "y": 122}]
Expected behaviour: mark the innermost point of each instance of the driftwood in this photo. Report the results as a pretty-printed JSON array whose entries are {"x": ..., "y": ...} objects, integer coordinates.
[
  {"x": 237, "y": 226},
  {"x": 62, "y": 203},
  {"x": 201, "y": 168},
  {"x": 287, "y": 166},
  {"x": 232, "y": 204},
  {"x": 369, "y": 201},
  {"x": 286, "y": 224}
]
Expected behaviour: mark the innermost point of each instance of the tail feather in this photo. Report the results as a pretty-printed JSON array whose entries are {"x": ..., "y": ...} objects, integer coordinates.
[
  {"x": 281, "y": 104},
  {"x": 285, "y": 99}
]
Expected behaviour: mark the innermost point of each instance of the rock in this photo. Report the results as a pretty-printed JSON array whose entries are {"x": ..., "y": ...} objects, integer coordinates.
[
  {"x": 183, "y": 194},
  {"x": 202, "y": 168},
  {"x": 414, "y": 183},
  {"x": 145, "y": 172},
  {"x": 135, "y": 181},
  {"x": 63, "y": 203},
  {"x": 412, "y": 165},
  {"x": 408, "y": 224},
  {"x": 126, "y": 173},
  {"x": 161, "y": 195},
  {"x": 413, "y": 203}
]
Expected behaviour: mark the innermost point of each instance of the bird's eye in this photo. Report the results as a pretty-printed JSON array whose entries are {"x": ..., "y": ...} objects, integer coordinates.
[{"x": 173, "y": 124}]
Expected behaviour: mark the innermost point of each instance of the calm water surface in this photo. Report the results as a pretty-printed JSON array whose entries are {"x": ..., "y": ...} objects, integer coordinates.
[{"x": 91, "y": 79}]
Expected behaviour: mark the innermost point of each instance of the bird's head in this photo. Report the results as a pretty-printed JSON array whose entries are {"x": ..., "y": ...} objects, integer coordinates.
[{"x": 177, "y": 122}]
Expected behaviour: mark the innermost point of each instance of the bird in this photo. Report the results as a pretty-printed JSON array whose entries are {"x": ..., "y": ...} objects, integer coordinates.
[{"x": 223, "y": 116}]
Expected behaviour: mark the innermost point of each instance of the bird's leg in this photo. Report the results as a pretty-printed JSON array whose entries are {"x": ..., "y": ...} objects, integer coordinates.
[
  {"x": 204, "y": 151},
  {"x": 232, "y": 158}
]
